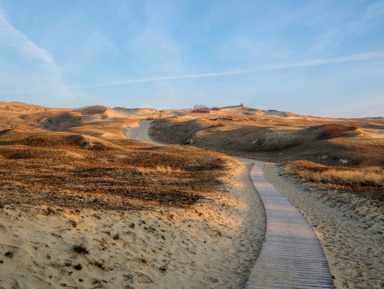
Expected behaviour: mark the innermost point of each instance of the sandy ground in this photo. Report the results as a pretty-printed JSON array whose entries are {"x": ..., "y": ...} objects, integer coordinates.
[
  {"x": 352, "y": 238},
  {"x": 210, "y": 245}
]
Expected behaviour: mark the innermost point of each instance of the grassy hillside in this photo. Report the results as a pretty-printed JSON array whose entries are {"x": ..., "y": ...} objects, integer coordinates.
[
  {"x": 350, "y": 152},
  {"x": 80, "y": 158}
]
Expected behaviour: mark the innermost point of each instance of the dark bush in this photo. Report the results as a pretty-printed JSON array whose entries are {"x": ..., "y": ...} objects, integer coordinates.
[{"x": 199, "y": 108}]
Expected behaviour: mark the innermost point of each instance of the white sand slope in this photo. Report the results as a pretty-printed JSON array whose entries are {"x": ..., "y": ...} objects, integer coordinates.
[{"x": 211, "y": 245}]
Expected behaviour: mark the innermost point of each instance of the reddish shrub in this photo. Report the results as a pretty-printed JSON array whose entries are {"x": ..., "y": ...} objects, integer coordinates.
[
  {"x": 215, "y": 108},
  {"x": 334, "y": 130},
  {"x": 199, "y": 108}
]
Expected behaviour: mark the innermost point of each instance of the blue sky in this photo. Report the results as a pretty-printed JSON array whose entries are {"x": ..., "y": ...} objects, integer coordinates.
[{"x": 311, "y": 57}]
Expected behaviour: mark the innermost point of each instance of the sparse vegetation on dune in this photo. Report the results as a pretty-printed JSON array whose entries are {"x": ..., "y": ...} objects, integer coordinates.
[
  {"x": 80, "y": 158},
  {"x": 78, "y": 199},
  {"x": 90, "y": 148},
  {"x": 83, "y": 171},
  {"x": 365, "y": 181},
  {"x": 347, "y": 148}
]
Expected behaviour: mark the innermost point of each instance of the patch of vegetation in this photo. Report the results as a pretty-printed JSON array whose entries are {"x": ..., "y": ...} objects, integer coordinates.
[
  {"x": 98, "y": 264},
  {"x": 80, "y": 249},
  {"x": 335, "y": 130},
  {"x": 367, "y": 181},
  {"x": 82, "y": 171},
  {"x": 199, "y": 108}
]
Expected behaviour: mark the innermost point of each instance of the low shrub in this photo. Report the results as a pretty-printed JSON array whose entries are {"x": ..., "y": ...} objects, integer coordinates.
[
  {"x": 80, "y": 249},
  {"x": 199, "y": 108},
  {"x": 335, "y": 130}
]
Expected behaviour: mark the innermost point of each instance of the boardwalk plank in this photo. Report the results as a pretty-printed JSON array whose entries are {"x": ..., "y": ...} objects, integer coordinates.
[{"x": 291, "y": 255}]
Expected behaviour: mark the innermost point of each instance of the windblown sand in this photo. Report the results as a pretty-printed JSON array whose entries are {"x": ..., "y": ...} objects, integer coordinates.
[{"x": 212, "y": 244}]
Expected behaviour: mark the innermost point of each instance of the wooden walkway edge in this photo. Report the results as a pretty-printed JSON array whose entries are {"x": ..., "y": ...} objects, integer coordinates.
[{"x": 291, "y": 255}]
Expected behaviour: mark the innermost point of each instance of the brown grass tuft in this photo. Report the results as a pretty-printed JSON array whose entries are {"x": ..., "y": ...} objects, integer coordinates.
[{"x": 80, "y": 249}]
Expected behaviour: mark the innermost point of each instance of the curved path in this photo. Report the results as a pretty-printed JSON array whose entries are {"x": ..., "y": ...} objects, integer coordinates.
[{"x": 291, "y": 255}]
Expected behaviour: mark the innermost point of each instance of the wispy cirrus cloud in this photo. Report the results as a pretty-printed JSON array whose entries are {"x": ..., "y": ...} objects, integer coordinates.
[
  {"x": 13, "y": 38},
  {"x": 31, "y": 69},
  {"x": 276, "y": 67}
]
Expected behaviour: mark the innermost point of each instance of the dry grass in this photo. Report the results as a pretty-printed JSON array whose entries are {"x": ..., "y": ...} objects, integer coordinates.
[
  {"x": 82, "y": 171},
  {"x": 368, "y": 180},
  {"x": 75, "y": 169},
  {"x": 351, "y": 159}
]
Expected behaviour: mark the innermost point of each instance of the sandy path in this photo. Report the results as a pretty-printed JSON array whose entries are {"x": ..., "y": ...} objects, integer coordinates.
[
  {"x": 353, "y": 243},
  {"x": 140, "y": 132}
]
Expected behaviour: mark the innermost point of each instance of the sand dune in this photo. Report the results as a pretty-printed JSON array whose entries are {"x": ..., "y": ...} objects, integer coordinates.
[
  {"x": 210, "y": 245},
  {"x": 49, "y": 157}
]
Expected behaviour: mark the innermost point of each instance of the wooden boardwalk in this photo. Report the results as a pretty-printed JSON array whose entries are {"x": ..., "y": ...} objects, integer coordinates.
[{"x": 291, "y": 255}]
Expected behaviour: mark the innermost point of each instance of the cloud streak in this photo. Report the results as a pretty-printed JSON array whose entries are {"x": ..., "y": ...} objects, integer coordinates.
[
  {"x": 12, "y": 37},
  {"x": 276, "y": 67},
  {"x": 44, "y": 75}
]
